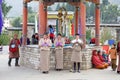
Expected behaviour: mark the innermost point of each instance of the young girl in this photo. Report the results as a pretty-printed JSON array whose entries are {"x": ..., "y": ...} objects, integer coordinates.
[
  {"x": 113, "y": 56},
  {"x": 45, "y": 44},
  {"x": 59, "y": 43}
]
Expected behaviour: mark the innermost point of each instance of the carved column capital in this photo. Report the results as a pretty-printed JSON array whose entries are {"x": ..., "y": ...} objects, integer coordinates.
[
  {"x": 25, "y": 4},
  {"x": 97, "y": 6}
]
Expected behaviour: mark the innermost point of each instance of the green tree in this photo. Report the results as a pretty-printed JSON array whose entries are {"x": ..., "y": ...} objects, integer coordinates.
[
  {"x": 5, "y": 8},
  {"x": 31, "y": 18},
  {"x": 87, "y": 10},
  {"x": 106, "y": 34},
  {"x": 30, "y": 10},
  {"x": 105, "y": 2},
  {"x": 16, "y": 22},
  {"x": 110, "y": 14},
  {"x": 4, "y": 38},
  {"x": 57, "y": 7},
  {"x": 92, "y": 10},
  {"x": 49, "y": 8},
  {"x": 70, "y": 7}
]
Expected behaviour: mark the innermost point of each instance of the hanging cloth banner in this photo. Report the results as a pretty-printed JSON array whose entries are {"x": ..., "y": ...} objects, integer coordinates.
[
  {"x": 72, "y": 29},
  {"x": 56, "y": 26}
]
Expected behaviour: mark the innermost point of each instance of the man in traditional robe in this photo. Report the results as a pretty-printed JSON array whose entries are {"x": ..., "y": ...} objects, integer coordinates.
[
  {"x": 45, "y": 44},
  {"x": 76, "y": 57},
  {"x": 118, "y": 51},
  {"x": 14, "y": 50}
]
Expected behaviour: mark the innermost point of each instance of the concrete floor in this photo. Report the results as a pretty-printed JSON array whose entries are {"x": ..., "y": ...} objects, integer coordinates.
[{"x": 23, "y": 73}]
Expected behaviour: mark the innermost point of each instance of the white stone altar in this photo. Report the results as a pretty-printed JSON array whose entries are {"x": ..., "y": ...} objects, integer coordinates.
[{"x": 30, "y": 57}]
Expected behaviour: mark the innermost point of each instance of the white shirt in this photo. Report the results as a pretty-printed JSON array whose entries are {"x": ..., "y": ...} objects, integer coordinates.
[{"x": 79, "y": 41}]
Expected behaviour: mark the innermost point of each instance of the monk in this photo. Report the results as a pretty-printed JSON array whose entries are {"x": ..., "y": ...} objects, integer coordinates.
[
  {"x": 118, "y": 51},
  {"x": 100, "y": 56},
  {"x": 97, "y": 63},
  {"x": 76, "y": 57},
  {"x": 14, "y": 50},
  {"x": 59, "y": 44},
  {"x": 45, "y": 44}
]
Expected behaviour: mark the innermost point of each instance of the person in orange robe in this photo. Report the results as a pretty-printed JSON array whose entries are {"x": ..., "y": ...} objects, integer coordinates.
[{"x": 97, "y": 63}]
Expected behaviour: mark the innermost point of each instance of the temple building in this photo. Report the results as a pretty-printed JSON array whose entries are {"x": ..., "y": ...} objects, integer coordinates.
[{"x": 80, "y": 8}]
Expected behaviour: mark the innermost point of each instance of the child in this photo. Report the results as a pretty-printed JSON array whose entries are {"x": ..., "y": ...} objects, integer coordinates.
[{"x": 113, "y": 56}]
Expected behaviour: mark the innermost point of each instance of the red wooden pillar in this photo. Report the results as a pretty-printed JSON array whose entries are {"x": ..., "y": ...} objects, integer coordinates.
[
  {"x": 97, "y": 24},
  {"x": 83, "y": 22},
  {"x": 46, "y": 17},
  {"x": 76, "y": 19},
  {"x": 42, "y": 19},
  {"x": 24, "y": 27}
]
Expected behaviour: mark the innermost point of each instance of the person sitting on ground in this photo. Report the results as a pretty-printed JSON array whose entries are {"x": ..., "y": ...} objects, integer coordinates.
[
  {"x": 101, "y": 57},
  {"x": 113, "y": 57},
  {"x": 97, "y": 63},
  {"x": 105, "y": 56}
]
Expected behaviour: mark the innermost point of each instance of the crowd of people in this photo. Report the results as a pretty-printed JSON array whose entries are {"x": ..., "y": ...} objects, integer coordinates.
[
  {"x": 100, "y": 59},
  {"x": 45, "y": 43}
]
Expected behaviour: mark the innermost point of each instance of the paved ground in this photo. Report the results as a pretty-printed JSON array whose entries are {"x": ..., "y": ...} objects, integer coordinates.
[{"x": 22, "y": 73}]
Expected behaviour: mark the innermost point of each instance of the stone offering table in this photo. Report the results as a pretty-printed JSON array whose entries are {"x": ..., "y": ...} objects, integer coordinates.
[{"x": 30, "y": 57}]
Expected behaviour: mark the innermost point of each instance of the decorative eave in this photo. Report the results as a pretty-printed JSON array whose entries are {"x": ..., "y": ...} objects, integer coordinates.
[{"x": 70, "y": 1}]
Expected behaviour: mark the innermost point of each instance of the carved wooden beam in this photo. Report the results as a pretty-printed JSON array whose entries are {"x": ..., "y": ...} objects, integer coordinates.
[
  {"x": 73, "y": 2},
  {"x": 94, "y": 1},
  {"x": 48, "y": 3},
  {"x": 26, "y": 1}
]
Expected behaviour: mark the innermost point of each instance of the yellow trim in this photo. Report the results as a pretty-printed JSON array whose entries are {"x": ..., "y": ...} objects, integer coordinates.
[{"x": 55, "y": 16}]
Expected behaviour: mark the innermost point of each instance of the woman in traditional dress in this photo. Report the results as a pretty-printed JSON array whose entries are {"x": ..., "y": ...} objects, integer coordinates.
[
  {"x": 118, "y": 50},
  {"x": 97, "y": 63},
  {"x": 76, "y": 57},
  {"x": 14, "y": 50},
  {"x": 59, "y": 44},
  {"x": 45, "y": 44}
]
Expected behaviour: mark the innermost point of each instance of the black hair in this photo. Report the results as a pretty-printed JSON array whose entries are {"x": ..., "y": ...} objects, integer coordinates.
[
  {"x": 50, "y": 26},
  {"x": 59, "y": 34},
  {"x": 114, "y": 44},
  {"x": 99, "y": 51},
  {"x": 46, "y": 34},
  {"x": 77, "y": 34}
]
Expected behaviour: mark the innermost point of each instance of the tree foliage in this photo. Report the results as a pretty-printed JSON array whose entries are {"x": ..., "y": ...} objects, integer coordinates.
[
  {"x": 4, "y": 39},
  {"x": 109, "y": 14},
  {"x": 69, "y": 7},
  {"x": 106, "y": 34},
  {"x": 16, "y": 22},
  {"x": 49, "y": 8},
  {"x": 31, "y": 17},
  {"x": 5, "y": 8}
]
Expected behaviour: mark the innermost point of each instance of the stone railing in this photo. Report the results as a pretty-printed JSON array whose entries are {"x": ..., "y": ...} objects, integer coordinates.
[{"x": 30, "y": 57}]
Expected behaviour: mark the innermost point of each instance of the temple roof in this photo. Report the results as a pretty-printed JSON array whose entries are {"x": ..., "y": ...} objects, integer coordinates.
[{"x": 94, "y": 1}]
